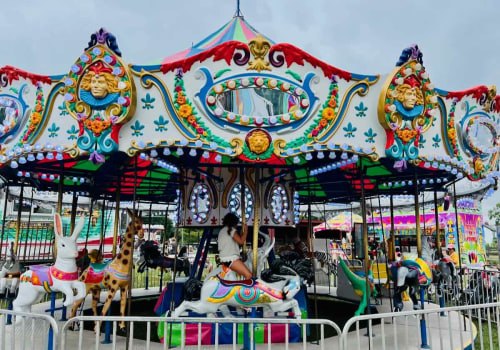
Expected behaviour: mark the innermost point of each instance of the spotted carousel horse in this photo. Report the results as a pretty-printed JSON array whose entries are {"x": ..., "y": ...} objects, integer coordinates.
[
  {"x": 151, "y": 256},
  {"x": 412, "y": 274},
  {"x": 445, "y": 277},
  {"x": 277, "y": 295},
  {"x": 10, "y": 273},
  {"x": 112, "y": 275},
  {"x": 60, "y": 277}
]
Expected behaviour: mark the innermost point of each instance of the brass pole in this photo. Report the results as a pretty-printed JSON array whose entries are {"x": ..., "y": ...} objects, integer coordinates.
[
  {"x": 436, "y": 218},
  {"x": 117, "y": 219},
  {"x": 101, "y": 244},
  {"x": 74, "y": 204},
  {"x": 243, "y": 207},
  {"x": 18, "y": 223},
  {"x": 255, "y": 243},
  {"x": 4, "y": 214},
  {"x": 60, "y": 195},
  {"x": 417, "y": 216},
  {"x": 392, "y": 254}
]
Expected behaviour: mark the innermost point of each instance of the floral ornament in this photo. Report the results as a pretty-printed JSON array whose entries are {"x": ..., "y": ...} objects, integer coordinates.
[
  {"x": 436, "y": 140},
  {"x": 452, "y": 132},
  {"x": 12, "y": 110},
  {"x": 407, "y": 106},
  {"x": 350, "y": 130},
  {"x": 148, "y": 102},
  {"x": 36, "y": 115},
  {"x": 370, "y": 136},
  {"x": 186, "y": 110},
  {"x": 100, "y": 94},
  {"x": 53, "y": 130},
  {"x": 137, "y": 127},
  {"x": 328, "y": 113},
  {"x": 361, "y": 110},
  {"x": 72, "y": 132},
  {"x": 161, "y": 124}
]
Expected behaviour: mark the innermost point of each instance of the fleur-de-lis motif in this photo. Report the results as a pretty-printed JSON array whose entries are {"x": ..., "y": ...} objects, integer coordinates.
[
  {"x": 137, "y": 127},
  {"x": 350, "y": 130},
  {"x": 421, "y": 141},
  {"x": 62, "y": 109},
  {"x": 148, "y": 102},
  {"x": 436, "y": 140},
  {"x": 161, "y": 124},
  {"x": 53, "y": 130},
  {"x": 259, "y": 47},
  {"x": 72, "y": 132},
  {"x": 370, "y": 136},
  {"x": 361, "y": 110}
]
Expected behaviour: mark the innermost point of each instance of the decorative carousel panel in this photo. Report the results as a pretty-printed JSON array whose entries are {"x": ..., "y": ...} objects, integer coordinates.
[
  {"x": 209, "y": 200},
  {"x": 100, "y": 95},
  {"x": 473, "y": 130},
  {"x": 222, "y": 101}
]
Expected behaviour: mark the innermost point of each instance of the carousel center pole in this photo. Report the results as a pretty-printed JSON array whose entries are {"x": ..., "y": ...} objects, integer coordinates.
[
  {"x": 459, "y": 241},
  {"x": 243, "y": 208},
  {"x": 255, "y": 242},
  {"x": 365, "y": 243},
  {"x": 117, "y": 218},
  {"x": 18, "y": 223}
]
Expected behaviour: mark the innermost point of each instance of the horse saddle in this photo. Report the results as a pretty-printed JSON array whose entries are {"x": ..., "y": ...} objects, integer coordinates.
[
  {"x": 95, "y": 273},
  {"x": 40, "y": 276},
  {"x": 244, "y": 283}
]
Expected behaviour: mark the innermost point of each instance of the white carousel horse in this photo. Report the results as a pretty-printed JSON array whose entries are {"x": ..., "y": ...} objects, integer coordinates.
[
  {"x": 61, "y": 277},
  {"x": 216, "y": 294},
  {"x": 10, "y": 273}
]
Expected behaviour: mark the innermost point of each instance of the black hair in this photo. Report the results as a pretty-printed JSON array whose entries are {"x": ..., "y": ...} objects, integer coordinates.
[{"x": 230, "y": 220}]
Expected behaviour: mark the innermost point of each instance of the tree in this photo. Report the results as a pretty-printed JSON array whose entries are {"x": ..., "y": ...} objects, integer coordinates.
[{"x": 494, "y": 214}]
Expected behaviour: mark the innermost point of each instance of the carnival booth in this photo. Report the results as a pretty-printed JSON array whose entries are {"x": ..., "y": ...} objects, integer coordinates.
[{"x": 239, "y": 124}]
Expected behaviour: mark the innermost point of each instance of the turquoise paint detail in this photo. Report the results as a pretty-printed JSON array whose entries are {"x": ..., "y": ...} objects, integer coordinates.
[
  {"x": 436, "y": 140},
  {"x": 421, "y": 141},
  {"x": 370, "y": 136},
  {"x": 62, "y": 109},
  {"x": 137, "y": 127},
  {"x": 399, "y": 150},
  {"x": 53, "y": 130},
  {"x": 105, "y": 144},
  {"x": 350, "y": 130},
  {"x": 361, "y": 110},
  {"x": 72, "y": 132},
  {"x": 161, "y": 124},
  {"x": 148, "y": 102}
]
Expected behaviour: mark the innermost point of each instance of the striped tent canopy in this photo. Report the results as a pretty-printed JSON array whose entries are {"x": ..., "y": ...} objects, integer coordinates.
[{"x": 237, "y": 29}]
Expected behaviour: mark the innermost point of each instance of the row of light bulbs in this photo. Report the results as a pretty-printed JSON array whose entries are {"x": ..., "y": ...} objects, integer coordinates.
[{"x": 335, "y": 165}]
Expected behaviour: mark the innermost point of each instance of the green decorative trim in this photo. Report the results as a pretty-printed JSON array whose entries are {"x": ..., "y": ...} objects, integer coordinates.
[
  {"x": 221, "y": 72},
  {"x": 294, "y": 75}
]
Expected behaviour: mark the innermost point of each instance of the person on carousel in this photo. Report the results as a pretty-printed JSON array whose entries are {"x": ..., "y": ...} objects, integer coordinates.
[
  {"x": 453, "y": 254},
  {"x": 229, "y": 242}
]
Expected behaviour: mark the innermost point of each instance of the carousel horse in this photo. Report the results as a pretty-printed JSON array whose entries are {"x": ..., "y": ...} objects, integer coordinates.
[
  {"x": 276, "y": 290},
  {"x": 60, "y": 277},
  {"x": 111, "y": 275},
  {"x": 10, "y": 273},
  {"x": 412, "y": 274},
  {"x": 325, "y": 263},
  {"x": 358, "y": 283},
  {"x": 445, "y": 276},
  {"x": 151, "y": 256}
]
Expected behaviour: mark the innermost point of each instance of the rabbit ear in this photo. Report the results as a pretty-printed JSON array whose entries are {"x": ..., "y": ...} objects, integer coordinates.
[
  {"x": 58, "y": 225},
  {"x": 78, "y": 228},
  {"x": 129, "y": 212}
]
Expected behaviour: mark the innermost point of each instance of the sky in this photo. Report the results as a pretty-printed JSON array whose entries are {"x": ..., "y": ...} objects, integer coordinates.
[{"x": 459, "y": 39}]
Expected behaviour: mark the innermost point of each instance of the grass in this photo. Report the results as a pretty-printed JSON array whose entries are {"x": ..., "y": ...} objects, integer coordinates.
[{"x": 494, "y": 344}]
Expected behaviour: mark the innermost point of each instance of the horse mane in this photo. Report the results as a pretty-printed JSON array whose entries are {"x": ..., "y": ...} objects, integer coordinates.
[{"x": 192, "y": 289}]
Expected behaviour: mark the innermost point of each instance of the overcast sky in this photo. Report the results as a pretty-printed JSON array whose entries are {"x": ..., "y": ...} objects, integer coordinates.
[{"x": 459, "y": 39}]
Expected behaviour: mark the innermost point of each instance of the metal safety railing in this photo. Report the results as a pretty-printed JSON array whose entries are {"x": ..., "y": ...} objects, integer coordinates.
[
  {"x": 193, "y": 331},
  {"x": 21, "y": 330},
  {"x": 436, "y": 328}
]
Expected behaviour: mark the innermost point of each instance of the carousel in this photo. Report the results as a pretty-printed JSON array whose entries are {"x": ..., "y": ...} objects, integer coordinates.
[{"x": 236, "y": 124}]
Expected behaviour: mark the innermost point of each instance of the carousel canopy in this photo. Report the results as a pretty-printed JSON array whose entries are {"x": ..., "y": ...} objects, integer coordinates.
[{"x": 236, "y": 100}]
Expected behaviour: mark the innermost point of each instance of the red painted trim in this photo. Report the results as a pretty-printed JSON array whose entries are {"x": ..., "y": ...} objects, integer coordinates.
[{"x": 13, "y": 73}]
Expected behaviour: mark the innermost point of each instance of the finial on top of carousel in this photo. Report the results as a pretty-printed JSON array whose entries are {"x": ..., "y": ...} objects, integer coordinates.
[
  {"x": 410, "y": 53},
  {"x": 102, "y": 36}
]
